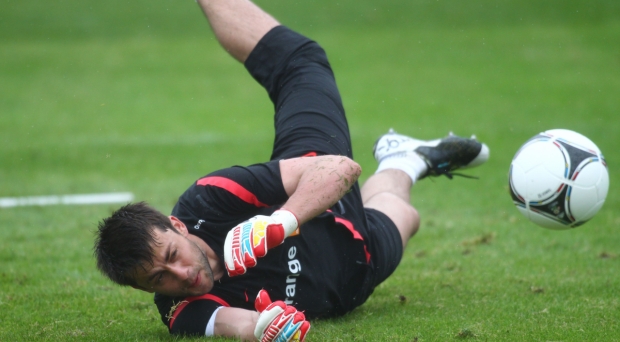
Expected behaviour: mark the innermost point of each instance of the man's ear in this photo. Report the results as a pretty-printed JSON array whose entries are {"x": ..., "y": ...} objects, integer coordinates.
[
  {"x": 178, "y": 225},
  {"x": 137, "y": 287}
]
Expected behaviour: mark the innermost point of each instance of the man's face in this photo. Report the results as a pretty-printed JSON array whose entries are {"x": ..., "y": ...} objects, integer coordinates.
[{"x": 180, "y": 267}]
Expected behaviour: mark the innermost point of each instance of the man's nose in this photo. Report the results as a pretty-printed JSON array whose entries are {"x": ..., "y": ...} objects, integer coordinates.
[{"x": 179, "y": 271}]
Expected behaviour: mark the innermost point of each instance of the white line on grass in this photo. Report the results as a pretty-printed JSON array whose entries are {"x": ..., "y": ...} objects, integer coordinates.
[{"x": 118, "y": 197}]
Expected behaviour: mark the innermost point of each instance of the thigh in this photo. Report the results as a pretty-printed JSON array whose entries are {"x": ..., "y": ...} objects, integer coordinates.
[
  {"x": 309, "y": 116},
  {"x": 385, "y": 245}
]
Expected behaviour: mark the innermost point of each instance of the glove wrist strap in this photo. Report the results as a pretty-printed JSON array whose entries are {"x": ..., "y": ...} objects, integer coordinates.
[{"x": 287, "y": 219}]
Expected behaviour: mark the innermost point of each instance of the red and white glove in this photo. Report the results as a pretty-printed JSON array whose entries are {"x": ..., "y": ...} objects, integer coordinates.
[
  {"x": 252, "y": 238},
  {"x": 279, "y": 322}
]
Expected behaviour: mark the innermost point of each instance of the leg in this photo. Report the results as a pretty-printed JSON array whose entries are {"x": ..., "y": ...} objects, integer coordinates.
[
  {"x": 388, "y": 192},
  {"x": 295, "y": 72},
  {"x": 403, "y": 161},
  {"x": 237, "y": 24}
]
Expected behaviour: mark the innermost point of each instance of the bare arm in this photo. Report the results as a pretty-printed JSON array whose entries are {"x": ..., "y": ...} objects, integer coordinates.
[
  {"x": 237, "y": 24},
  {"x": 316, "y": 183},
  {"x": 237, "y": 323}
]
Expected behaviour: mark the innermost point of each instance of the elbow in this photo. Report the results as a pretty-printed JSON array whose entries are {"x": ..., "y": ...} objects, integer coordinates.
[
  {"x": 356, "y": 170},
  {"x": 350, "y": 170}
]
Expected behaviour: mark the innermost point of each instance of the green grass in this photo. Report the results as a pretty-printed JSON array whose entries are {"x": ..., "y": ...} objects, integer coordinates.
[{"x": 138, "y": 96}]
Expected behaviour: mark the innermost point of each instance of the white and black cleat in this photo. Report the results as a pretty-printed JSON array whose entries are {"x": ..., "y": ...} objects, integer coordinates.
[{"x": 442, "y": 156}]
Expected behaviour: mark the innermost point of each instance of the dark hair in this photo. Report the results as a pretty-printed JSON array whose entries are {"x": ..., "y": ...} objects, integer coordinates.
[{"x": 125, "y": 241}]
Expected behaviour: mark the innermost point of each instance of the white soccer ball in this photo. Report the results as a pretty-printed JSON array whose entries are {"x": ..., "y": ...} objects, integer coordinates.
[{"x": 559, "y": 179}]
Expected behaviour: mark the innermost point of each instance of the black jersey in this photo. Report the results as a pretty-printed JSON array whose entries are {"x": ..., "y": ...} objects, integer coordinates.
[{"x": 320, "y": 271}]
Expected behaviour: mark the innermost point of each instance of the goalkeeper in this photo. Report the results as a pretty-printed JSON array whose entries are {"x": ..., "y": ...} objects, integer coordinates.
[{"x": 296, "y": 230}]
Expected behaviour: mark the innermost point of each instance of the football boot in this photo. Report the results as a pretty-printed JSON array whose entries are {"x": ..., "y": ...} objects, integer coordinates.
[{"x": 442, "y": 156}]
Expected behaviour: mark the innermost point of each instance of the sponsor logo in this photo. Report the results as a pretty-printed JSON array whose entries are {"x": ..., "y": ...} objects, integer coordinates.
[
  {"x": 197, "y": 226},
  {"x": 294, "y": 268}
]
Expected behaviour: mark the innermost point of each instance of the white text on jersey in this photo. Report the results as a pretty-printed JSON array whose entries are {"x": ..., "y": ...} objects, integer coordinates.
[{"x": 294, "y": 268}]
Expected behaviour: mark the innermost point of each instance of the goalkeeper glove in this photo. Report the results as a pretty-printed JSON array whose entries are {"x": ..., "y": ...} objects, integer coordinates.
[
  {"x": 252, "y": 238},
  {"x": 278, "y": 322}
]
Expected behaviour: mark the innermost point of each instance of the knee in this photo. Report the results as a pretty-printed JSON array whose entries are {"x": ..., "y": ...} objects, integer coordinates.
[
  {"x": 414, "y": 218},
  {"x": 402, "y": 213},
  {"x": 407, "y": 220}
]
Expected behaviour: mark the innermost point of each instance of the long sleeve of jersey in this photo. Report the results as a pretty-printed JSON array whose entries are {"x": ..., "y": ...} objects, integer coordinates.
[{"x": 189, "y": 316}]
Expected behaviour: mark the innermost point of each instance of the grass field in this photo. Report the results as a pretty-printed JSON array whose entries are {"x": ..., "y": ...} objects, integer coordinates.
[{"x": 137, "y": 96}]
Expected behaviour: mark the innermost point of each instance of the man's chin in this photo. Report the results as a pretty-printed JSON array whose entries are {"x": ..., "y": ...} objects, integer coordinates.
[
  {"x": 188, "y": 293},
  {"x": 200, "y": 289}
]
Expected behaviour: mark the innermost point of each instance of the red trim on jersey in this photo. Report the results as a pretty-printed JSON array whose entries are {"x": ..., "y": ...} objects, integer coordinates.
[
  {"x": 310, "y": 154},
  {"x": 188, "y": 300},
  {"x": 356, "y": 234},
  {"x": 232, "y": 187}
]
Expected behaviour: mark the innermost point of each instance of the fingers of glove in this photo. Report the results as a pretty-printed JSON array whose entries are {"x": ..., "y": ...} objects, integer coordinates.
[
  {"x": 238, "y": 251},
  {"x": 298, "y": 317},
  {"x": 279, "y": 322},
  {"x": 302, "y": 332},
  {"x": 284, "y": 327},
  {"x": 230, "y": 260}
]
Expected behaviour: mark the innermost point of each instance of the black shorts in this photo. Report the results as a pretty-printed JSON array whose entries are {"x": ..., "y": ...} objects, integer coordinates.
[
  {"x": 310, "y": 120},
  {"x": 385, "y": 246}
]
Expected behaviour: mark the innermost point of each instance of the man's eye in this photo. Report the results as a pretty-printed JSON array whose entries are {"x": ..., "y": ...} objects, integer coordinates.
[
  {"x": 159, "y": 278},
  {"x": 173, "y": 255}
]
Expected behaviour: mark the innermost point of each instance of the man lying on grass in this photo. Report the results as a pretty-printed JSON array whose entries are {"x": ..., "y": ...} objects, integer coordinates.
[{"x": 297, "y": 229}]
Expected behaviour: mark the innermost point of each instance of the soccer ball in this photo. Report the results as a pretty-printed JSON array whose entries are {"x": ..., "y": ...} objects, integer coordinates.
[{"x": 559, "y": 179}]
